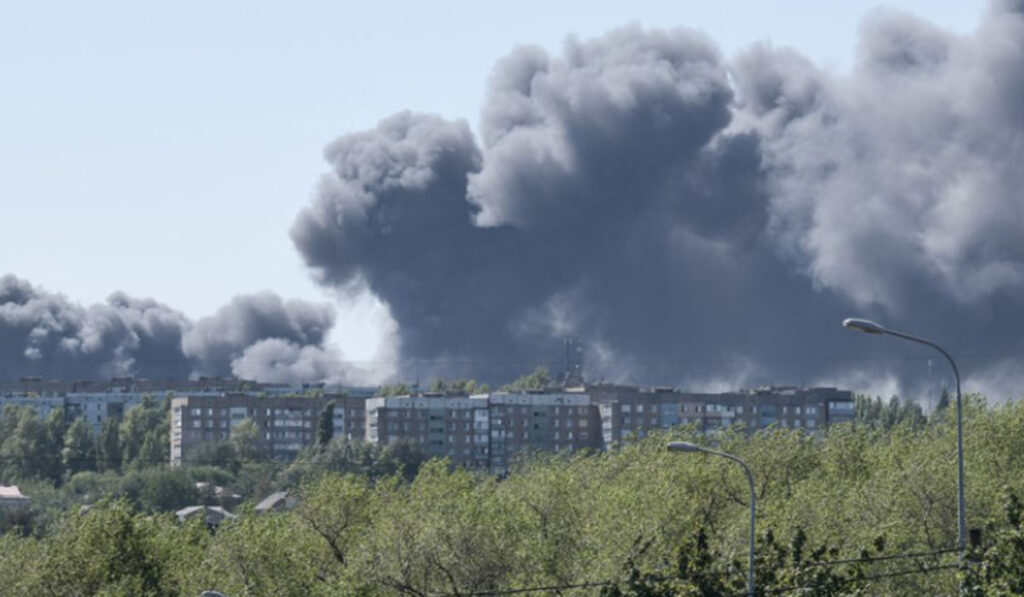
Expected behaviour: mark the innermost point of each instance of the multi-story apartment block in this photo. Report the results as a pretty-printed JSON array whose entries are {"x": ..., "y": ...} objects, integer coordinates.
[
  {"x": 43, "y": 405},
  {"x": 285, "y": 424},
  {"x": 629, "y": 410},
  {"x": 96, "y": 401},
  {"x": 456, "y": 427},
  {"x": 483, "y": 431},
  {"x": 535, "y": 422},
  {"x": 487, "y": 430}
]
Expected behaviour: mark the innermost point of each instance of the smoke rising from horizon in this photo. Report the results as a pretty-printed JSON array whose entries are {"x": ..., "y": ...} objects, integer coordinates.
[
  {"x": 694, "y": 219},
  {"x": 257, "y": 336}
]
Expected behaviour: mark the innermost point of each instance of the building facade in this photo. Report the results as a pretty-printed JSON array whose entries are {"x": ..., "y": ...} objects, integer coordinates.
[
  {"x": 487, "y": 430},
  {"x": 490, "y": 430},
  {"x": 285, "y": 424},
  {"x": 630, "y": 410}
]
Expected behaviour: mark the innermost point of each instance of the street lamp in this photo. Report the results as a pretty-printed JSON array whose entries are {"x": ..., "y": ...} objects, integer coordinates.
[
  {"x": 871, "y": 327},
  {"x": 688, "y": 447}
]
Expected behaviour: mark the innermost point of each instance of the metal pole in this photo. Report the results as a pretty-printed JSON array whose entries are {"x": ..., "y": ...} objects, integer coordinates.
[
  {"x": 753, "y": 515},
  {"x": 961, "y": 538},
  {"x": 689, "y": 447}
]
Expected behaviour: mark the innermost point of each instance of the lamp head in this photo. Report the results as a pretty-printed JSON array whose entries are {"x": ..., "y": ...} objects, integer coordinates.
[
  {"x": 865, "y": 325},
  {"x": 683, "y": 447}
]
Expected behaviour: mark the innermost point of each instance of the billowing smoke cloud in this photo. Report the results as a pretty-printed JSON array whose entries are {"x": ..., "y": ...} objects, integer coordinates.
[
  {"x": 276, "y": 360},
  {"x": 693, "y": 219},
  {"x": 215, "y": 342},
  {"x": 258, "y": 337}
]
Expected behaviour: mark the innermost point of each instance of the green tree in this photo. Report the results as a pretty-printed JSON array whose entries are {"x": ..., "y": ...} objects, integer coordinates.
[
  {"x": 79, "y": 451},
  {"x": 245, "y": 437},
  {"x": 108, "y": 446},
  {"x": 944, "y": 402},
  {"x": 56, "y": 426},
  {"x": 325, "y": 429},
  {"x": 397, "y": 389},
  {"x": 105, "y": 551},
  {"x": 149, "y": 419},
  {"x": 24, "y": 446},
  {"x": 1000, "y": 569},
  {"x": 538, "y": 380}
]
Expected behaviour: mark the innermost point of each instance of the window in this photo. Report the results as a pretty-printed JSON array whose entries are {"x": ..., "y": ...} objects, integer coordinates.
[{"x": 625, "y": 408}]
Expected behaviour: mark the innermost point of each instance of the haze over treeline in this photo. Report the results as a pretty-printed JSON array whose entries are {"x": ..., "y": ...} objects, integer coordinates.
[{"x": 692, "y": 218}]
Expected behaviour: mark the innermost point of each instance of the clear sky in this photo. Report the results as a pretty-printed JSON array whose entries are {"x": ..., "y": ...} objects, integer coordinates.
[{"x": 164, "y": 149}]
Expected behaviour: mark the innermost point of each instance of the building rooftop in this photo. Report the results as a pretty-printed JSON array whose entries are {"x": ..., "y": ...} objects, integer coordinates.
[{"x": 11, "y": 492}]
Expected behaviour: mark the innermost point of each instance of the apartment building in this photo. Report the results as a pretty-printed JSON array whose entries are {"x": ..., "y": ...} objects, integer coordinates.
[
  {"x": 539, "y": 422},
  {"x": 96, "y": 401},
  {"x": 630, "y": 410},
  {"x": 489, "y": 430},
  {"x": 94, "y": 407},
  {"x": 456, "y": 427},
  {"x": 285, "y": 424},
  {"x": 485, "y": 431}
]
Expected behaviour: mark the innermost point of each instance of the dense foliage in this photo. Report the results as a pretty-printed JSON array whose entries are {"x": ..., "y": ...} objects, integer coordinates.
[{"x": 862, "y": 509}]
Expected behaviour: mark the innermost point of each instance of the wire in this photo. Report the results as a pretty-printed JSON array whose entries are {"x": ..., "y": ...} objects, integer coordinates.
[
  {"x": 782, "y": 590},
  {"x": 772, "y": 591},
  {"x": 871, "y": 560},
  {"x": 418, "y": 362},
  {"x": 520, "y": 591}
]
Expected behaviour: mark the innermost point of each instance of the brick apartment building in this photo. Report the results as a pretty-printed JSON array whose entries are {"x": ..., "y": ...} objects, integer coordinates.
[
  {"x": 286, "y": 424},
  {"x": 627, "y": 410},
  {"x": 488, "y": 430},
  {"x": 485, "y": 431}
]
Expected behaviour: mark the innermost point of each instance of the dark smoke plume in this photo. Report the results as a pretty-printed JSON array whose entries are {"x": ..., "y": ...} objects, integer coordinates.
[
  {"x": 695, "y": 220},
  {"x": 259, "y": 337}
]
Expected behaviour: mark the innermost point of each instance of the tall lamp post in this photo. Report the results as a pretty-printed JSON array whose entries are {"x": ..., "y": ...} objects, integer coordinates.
[
  {"x": 871, "y": 327},
  {"x": 688, "y": 447}
]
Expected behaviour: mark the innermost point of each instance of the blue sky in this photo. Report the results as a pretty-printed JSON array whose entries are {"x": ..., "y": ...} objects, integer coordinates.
[{"x": 165, "y": 149}]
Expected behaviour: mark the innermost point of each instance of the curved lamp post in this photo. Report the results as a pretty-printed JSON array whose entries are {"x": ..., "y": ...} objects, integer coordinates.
[
  {"x": 871, "y": 327},
  {"x": 688, "y": 447}
]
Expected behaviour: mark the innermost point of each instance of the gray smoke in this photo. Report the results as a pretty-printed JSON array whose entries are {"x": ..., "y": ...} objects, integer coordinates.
[
  {"x": 45, "y": 334},
  {"x": 276, "y": 360},
  {"x": 216, "y": 342},
  {"x": 693, "y": 219}
]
